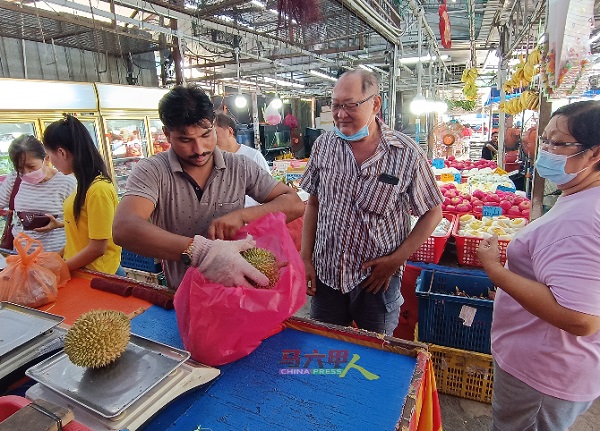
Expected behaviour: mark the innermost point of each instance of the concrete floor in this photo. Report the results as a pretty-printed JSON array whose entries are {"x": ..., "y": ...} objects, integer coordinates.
[{"x": 460, "y": 414}]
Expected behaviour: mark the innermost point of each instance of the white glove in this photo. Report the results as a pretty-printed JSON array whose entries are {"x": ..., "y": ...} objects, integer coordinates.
[{"x": 221, "y": 262}]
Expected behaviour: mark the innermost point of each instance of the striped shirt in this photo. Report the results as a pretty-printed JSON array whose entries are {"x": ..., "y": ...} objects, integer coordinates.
[
  {"x": 47, "y": 198},
  {"x": 361, "y": 218}
]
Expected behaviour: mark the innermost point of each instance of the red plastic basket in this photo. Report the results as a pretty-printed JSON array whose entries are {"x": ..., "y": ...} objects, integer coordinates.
[
  {"x": 432, "y": 249},
  {"x": 466, "y": 248}
]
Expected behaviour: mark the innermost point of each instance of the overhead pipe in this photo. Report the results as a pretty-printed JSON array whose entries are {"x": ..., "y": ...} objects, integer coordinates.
[
  {"x": 418, "y": 12},
  {"x": 374, "y": 20}
]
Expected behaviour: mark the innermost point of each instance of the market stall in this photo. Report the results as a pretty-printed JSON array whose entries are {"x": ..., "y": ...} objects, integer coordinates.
[
  {"x": 291, "y": 371},
  {"x": 28, "y": 106},
  {"x": 131, "y": 126}
]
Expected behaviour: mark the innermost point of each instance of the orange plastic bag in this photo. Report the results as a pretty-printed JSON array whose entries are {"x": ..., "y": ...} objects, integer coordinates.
[
  {"x": 32, "y": 277},
  {"x": 221, "y": 324}
]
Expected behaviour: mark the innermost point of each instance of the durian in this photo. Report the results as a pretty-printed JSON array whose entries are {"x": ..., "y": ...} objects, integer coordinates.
[
  {"x": 265, "y": 262},
  {"x": 97, "y": 338}
]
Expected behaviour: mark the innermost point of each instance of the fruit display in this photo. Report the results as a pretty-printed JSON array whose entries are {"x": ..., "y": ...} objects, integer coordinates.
[
  {"x": 457, "y": 201},
  {"x": 504, "y": 227},
  {"x": 265, "y": 262},
  {"x": 488, "y": 181},
  {"x": 468, "y": 164},
  {"x": 441, "y": 229},
  {"x": 97, "y": 338}
]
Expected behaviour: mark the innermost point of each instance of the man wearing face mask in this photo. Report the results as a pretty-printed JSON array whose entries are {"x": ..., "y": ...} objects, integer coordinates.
[
  {"x": 364, "y": 180},
  {"x": 40, "y": 192},
  {"x": 546, "y": 321}
]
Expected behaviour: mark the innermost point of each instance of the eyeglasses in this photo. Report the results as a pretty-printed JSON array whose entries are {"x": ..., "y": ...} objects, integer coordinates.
[
  {"x": 350, "y": 106},
  {"x": 553, "y": 145}
]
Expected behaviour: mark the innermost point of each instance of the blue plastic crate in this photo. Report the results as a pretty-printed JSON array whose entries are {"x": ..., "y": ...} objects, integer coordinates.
[
  {"x": 130, "y": 259},
  {"x": 439, "y": 310}
]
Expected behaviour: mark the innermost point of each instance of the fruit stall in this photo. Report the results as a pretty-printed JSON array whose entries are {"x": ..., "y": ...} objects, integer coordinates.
[{"x": 155, "y": 384}]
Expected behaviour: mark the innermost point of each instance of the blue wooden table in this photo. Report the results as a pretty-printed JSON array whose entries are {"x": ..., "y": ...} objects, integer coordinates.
[{"x": 306, "y": 377}]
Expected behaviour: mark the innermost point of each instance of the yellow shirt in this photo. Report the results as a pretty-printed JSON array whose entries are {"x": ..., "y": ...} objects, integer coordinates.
[{"x": 95, "y": 222}]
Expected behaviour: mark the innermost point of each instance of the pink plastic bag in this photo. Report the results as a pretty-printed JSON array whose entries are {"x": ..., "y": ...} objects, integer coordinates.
[{"x": 221, "y": 324}]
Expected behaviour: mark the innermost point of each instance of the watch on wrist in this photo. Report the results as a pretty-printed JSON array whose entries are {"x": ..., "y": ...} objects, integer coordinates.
[{"x": 186, "y": 256}]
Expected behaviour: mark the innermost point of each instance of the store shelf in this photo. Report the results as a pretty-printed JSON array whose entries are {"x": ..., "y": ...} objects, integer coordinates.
[{"x": 124, "y": 159}]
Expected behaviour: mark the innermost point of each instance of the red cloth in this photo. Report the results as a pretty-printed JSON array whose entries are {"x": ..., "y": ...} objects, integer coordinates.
[{"x": 290, "y": 121}]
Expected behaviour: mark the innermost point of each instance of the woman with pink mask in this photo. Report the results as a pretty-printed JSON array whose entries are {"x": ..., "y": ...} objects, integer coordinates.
[{"x": 42, "y": 190}]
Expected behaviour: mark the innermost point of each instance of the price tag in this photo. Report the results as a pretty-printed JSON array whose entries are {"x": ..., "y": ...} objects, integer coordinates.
[
  {"x": 447, "y": 178},
  {"x": 500, "y": 171},
  {"x": 457, "y": 178},
  {"x": 490, "y": 211},
  {"x": 506, "y": 189},
  {"x": 438, "y": 163}
]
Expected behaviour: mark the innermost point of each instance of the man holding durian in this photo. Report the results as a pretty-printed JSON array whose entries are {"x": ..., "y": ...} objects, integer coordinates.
[{"x": 185, "y": 204}]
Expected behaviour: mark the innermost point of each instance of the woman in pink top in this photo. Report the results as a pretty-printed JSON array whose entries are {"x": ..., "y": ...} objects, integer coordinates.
[{"x": 545, "y": 329}]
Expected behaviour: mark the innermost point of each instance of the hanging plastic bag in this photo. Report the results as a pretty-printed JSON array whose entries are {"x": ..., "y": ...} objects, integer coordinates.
[
  {"x": 220, "y": 324},
  {"x": 272, "y": 115},
  {"x": 32, "y": 277}
]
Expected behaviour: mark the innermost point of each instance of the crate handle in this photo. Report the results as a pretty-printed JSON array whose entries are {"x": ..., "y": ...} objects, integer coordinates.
[
  {"x": 419, "y": 283},
  {"x": 431, "y": 282}
]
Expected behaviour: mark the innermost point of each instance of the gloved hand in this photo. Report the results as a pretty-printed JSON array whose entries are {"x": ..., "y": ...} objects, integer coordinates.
[{"x": 221, "y": 262}]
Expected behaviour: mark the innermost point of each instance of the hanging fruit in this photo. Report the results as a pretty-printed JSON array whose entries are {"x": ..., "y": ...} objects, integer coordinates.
[
  {"x": 524, "y": 72},
  {"x": 470, "y": 89}
]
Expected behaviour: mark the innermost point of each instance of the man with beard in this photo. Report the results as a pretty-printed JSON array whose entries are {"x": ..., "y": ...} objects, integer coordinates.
[{"x": 183, "y": 205}]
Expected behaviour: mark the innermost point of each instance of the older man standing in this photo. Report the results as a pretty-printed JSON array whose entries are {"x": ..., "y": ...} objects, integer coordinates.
[{"x": 364, "y": 180}]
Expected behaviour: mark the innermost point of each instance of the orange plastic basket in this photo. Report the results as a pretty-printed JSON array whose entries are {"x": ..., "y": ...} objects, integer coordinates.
[{"x": 432, "y": 249}]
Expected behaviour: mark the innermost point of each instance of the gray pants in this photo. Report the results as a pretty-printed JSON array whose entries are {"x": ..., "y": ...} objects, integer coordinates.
[
  {"x": 516, "y": 406},
  {"x": 377, "y": 312}
]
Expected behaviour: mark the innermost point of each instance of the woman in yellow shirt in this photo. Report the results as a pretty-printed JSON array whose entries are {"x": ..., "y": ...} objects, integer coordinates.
[{"x": 90, "y": 210}]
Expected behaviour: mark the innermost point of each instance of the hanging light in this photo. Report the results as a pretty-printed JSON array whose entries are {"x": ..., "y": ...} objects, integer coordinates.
[
  {"x": 277, "y": 102},
  {"x": 419, "y": 105},
  {"x": 240, "y": 101}
]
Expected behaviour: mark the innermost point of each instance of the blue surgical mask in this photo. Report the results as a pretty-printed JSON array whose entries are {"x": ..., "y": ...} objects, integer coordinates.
[
  {"x": 361, "y": 134},
  {"x": 552, "y": 167}
]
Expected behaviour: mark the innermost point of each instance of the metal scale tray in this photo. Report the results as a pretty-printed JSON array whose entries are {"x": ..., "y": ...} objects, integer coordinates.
[
  {"x": 108, "y": 391},
  {"x": 25, "y": 334}
]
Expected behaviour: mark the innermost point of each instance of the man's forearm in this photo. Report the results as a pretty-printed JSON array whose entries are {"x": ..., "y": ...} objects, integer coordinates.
[
  {"x": 419, "y": 234},
  {"x": 309, "y": 228},
  {"x": 288, "y": 203},
  {"x": 144, "y": 238}
]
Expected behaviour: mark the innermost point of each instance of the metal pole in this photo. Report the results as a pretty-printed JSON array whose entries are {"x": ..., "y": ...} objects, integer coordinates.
[
  {"x": 502, "y": 117},
  {"x": 393, "y": 90}
]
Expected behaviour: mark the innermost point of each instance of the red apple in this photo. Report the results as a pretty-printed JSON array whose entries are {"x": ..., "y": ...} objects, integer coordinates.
[
  {"x": 525, "y": 205},
  {"x": 456, "y": 200},
  {"x": 514, "y": 211},
  {"x": 464, "y": 208},
  {"x": 450, "y": 208},
  {"x": 450, "y": 193},
  {"x": 505, "y": 205},
  {"x": 525, "y": 213},
  {"x": 518, "y": 199},
  {"x": 447, "y": 201}
]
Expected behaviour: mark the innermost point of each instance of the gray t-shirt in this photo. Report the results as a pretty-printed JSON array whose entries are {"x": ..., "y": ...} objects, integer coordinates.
[{"x": 177, "y": 208}]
